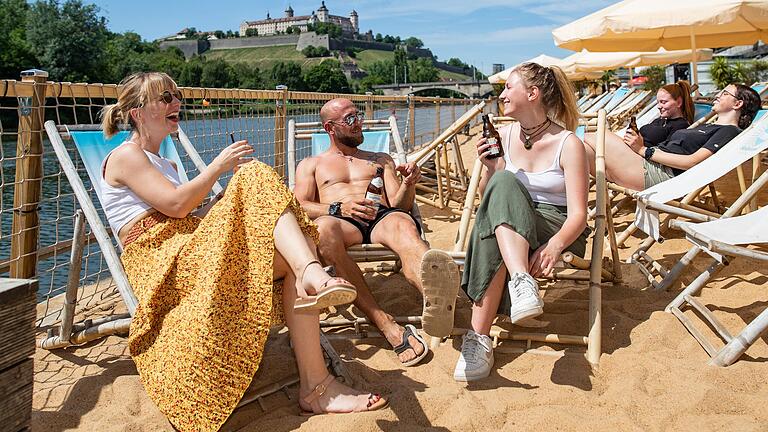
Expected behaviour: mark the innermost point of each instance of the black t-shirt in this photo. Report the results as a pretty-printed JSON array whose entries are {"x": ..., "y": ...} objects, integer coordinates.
[
  {"x": 688, "y": 141},
  {"x": 660, "y": 129}
]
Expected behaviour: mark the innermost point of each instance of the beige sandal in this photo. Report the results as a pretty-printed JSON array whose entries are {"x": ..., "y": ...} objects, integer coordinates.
[
  {"x": 375, "y": 401},
  {"x": 334, "y": 291}
]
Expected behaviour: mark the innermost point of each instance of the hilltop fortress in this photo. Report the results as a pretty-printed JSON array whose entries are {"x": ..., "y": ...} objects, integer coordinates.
[{"x": 272, "y": 26}]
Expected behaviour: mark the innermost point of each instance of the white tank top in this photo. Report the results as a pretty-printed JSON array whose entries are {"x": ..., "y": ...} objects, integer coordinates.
[
  {"x": 548, "y": 186},
  {"x": 120, "y": 204}
]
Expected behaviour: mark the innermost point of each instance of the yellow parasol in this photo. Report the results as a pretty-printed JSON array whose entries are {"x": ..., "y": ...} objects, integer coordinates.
[
  {"x": 544, "y": 60},
  {"x": 648, "y": 25}
]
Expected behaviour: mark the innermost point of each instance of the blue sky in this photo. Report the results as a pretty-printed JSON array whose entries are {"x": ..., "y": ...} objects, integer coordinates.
[{"x": 481, "y": 32}]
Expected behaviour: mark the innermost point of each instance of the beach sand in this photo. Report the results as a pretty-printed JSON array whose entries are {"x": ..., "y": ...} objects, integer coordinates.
[{"x": 652, "y": 375}]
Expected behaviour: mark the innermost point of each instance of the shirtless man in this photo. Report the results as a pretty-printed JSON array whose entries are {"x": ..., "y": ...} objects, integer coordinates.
[{"x": 331, "y": 187}]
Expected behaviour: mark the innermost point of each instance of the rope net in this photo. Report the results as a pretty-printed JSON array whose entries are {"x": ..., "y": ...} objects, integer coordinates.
[{"x": 209, "y": 117}]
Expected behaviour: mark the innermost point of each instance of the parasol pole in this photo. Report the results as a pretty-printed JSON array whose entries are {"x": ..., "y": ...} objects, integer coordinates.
[
  {"x": 631, "y": 83},
  {"x": 694, "y": 57}
]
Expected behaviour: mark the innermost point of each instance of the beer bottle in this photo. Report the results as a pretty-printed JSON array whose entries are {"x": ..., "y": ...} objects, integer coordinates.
[
  {"x": 376, "y": 188},
  {"x": 633, "y": 125},
  {"x": 493, "y": 139}
]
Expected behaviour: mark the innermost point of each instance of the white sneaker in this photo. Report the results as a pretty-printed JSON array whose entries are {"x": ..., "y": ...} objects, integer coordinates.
[
  {"x": 476, "y": 357},
  {"x": 524, "y": 293}
]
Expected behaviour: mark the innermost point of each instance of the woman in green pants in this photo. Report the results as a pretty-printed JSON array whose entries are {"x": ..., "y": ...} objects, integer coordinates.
[{"x": 533, "y": 208}]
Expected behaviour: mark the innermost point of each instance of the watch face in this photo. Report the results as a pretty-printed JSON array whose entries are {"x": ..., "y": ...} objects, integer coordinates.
[{"x": 335, "y": 209}]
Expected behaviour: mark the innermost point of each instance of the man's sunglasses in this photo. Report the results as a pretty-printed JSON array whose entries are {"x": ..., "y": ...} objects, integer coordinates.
[
  {"x": 167, "y": 96},
  {"x": 350, "y": 119}
]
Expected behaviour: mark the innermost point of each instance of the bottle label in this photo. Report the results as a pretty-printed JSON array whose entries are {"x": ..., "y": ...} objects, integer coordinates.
[
  {"x": 376, "y": 198},
  {"x": 493, "y": 150}
]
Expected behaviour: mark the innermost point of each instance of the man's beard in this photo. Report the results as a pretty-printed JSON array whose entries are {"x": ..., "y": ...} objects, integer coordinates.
[{"x": 351, "y": 140}]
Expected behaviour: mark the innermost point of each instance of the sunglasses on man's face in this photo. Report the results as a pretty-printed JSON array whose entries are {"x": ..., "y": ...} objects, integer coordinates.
[
  {"x": 167, "y": 96},
  {"x": 351, "y": 119}
]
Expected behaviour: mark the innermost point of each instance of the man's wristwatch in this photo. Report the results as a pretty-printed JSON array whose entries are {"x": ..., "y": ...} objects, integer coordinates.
[
  {"x": 649, "y": 152},
  {"x": 335, "y": 209}
]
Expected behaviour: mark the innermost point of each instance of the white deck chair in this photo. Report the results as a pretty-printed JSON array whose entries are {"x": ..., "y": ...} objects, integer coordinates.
[
  {"x": 91, "y": 149},
  {"x": 571, "y": 267},
  {"x": 720, "y": 239},
  {"x": 660, "y": 198}
]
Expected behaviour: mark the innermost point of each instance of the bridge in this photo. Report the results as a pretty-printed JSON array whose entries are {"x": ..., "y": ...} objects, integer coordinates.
[{"x": 473, "y": 89}]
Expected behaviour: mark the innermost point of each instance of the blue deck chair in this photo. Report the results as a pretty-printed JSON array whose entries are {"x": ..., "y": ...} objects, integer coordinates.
[{"x": 92, "y": 147}]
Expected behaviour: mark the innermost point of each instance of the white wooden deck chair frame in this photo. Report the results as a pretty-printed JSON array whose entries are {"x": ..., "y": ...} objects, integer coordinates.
[
  {"x": 723, "y": 251},
  {"x": 692, "y": 179},
  {"x": 577, "y": 268},
  {"x": 70, "y": 333}
]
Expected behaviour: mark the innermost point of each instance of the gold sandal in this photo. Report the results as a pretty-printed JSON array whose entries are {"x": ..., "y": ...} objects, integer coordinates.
[
  {"x": 334, "y": 291},
  {"x": 375, "y": 401}
]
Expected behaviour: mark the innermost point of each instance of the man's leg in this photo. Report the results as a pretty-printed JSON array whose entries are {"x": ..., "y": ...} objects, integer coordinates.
[
  {"x": 433, "y": 272},
  {"x": 398, "y": 232},
  {"x": 336, "y": 235}
]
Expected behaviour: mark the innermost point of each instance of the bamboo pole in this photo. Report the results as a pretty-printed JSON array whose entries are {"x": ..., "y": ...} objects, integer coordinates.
[
  {"x": 595, "y": 291},
  {"x": 29, "y": 176},
  {"x": 369, "y": 105},
  {"x": 280, "y": 120},
  {"x": 412, "y": 122},
  {"x": 469, "y": 205}
]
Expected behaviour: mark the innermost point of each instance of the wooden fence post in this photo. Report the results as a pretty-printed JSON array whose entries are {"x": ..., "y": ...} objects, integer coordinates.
[
  {"x": 281, "y": 114},
  {"x": 412, "y": 126},
  {"x": 29, "y": 177},
  {"x": 369, "y": 105}
]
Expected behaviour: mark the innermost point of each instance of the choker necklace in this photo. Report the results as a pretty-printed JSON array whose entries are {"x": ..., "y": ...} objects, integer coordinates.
[
  {"x": 350, "y": 157},
  {"x": 532, "y": 132}
]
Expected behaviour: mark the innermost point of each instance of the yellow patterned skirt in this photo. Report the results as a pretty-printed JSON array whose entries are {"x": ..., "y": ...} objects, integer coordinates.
[{"x": 207, "y": 299}]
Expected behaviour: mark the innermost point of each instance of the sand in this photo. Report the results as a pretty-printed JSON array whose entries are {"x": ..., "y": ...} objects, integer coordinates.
[{"x": 652, "y": 375}]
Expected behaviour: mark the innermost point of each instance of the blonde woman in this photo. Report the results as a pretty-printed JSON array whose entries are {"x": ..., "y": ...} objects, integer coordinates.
[
  {"x": 533, "y": 208},
  {"x": 211, "y": 283}
]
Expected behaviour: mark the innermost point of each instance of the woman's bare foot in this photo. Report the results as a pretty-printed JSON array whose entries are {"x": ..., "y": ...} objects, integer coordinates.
[{"x": 331, "y": 396}]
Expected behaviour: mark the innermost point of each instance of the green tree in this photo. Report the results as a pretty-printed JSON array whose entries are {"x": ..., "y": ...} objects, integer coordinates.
[
  {"x": 218, "y": 73},
  {"x": 414, "y": 42},
  {"x": 287, "y": 73},
  {"x": 453, "y": 61},
  {"x": 326, "y": 77},
  {"x": 378, "y": 38},
  {"x": 192, "y": 72},
  {"x": 422, "y": 70},
  {"x": 15, "y": 52},
  {"x": 315, "y": 51},
  {"x": 724, "y": 73},
  {"x": 248, "y": 76},
  {"x": 220, "y": 34},
  {"x": 68, "y": 39},
  {"x": 656, "y": 78},
  {"x": 330, "y": 29},
  {"x": 251, "y": 32}
]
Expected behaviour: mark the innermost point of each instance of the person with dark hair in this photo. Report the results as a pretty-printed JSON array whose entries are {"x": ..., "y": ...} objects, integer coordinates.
[
  {"x": 676, "y": 111},
  {"x": 633, "y": 165},
  {"x": 533, "y": 208},
  {"x": 211, "y": 282}
]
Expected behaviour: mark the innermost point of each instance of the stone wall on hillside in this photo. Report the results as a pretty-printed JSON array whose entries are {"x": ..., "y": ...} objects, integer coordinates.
[
  {"x": 189, "y": 47},
  {"x": 313, "y": 39},
  {"x": 252, "y": 42}
]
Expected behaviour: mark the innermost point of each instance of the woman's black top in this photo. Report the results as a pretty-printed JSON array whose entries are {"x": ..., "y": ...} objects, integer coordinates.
[
  {"x": 688, "y": 141},
  {"x": 660, "y": 129}
]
